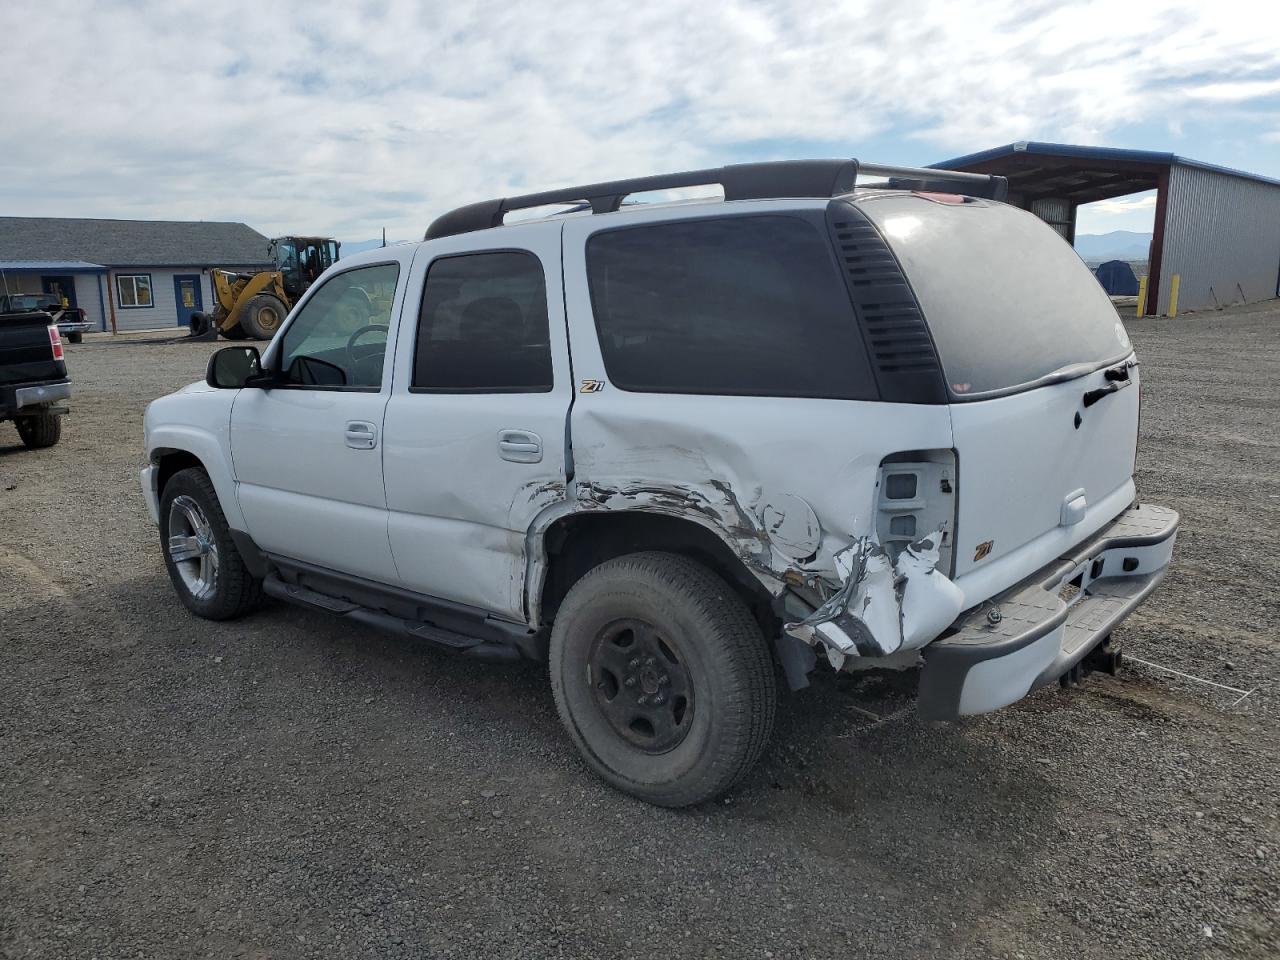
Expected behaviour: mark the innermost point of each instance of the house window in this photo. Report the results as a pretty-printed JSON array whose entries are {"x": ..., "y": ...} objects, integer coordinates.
[{"x": 134, "y": 289}]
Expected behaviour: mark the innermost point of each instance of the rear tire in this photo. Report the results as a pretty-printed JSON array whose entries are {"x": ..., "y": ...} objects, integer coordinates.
[
  {"x": 662, "y": 678},
  {"x": 263, "y": 315},
  {"x": 39, "y": 430},
  {"x": 207, "y": 571},
  {"x": 75, "y": 337}
]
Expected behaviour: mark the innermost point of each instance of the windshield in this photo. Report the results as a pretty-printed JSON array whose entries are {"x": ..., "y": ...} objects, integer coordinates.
[
  {"x": 1007, "y": 300},
  {"x": 286, "y": 255},
  {"x": 31, "y": 301}
]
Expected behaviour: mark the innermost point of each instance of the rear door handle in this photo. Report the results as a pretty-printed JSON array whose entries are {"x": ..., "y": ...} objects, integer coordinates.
[
  {"x": 361, "y": 435},
  {"x": 520, "y": 446}
]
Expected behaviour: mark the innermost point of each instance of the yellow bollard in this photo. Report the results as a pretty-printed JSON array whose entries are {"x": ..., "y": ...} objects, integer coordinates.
[
  {"x": 1173, "y": 294},
  {"x": 1142, "y": 297}
]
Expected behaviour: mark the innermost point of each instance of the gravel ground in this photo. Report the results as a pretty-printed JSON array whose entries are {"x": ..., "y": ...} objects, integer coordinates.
[{"x": 292, "y": 786}]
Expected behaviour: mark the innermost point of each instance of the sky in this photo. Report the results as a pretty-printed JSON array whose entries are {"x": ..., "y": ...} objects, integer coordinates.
[{"x": 342, "y": 118}]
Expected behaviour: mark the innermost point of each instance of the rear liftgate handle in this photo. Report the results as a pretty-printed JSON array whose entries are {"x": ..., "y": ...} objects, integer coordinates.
[
  {"x": 1074, "y": 507},
  {"x": 361, "y": 435},
  {"x": 520, "y": 446}
]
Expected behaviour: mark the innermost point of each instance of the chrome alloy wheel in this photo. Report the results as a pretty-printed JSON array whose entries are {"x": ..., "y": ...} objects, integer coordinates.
[{"x": 192, "y": 547}]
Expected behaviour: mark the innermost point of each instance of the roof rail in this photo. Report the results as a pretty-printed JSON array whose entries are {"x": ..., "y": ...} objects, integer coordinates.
[
  {"x": 741, "y": 181},
  {"x": 929, "y": 180}
]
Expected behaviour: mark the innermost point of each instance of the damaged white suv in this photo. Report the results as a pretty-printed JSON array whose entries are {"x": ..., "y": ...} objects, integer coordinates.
[{"x": 672, "y": 448}]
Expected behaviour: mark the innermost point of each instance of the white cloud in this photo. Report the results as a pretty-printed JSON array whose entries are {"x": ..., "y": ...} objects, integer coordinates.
[
  {"x": 344, "y": 117},
  {"x": 1124, "y": 205},
  {"x": 1235, "y": 91},
  {"x": 1123, "y": 213}
]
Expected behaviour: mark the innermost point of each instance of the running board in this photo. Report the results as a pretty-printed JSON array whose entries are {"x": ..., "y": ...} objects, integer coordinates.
[
  {"x": 275, "y": 587},
  {"x": 437, "y": 636}
]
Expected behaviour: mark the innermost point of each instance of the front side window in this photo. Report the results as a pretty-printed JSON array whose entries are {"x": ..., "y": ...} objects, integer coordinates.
[
  {"x": 732, "y": 306},
  {"x": 339, "y": 339},
  {"x": 287, "y": 255},
  {"x": 483, "y": 326},
  {"x": 134, "y": 290}
]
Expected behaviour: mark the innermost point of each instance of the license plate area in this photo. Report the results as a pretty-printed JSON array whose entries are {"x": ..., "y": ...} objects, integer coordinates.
[{"x": 1074, "y": 585}]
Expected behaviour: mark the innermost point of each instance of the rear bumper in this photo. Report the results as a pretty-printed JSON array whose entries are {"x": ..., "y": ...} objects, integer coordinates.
[
  {"x": 13, "y": 400},
  {"x": 1034, "y": 632}
]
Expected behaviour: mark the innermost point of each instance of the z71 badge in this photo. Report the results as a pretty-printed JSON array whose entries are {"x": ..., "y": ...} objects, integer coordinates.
[
  {"x": 984, "y": 548},
  {"x": 591, "y": 386}
]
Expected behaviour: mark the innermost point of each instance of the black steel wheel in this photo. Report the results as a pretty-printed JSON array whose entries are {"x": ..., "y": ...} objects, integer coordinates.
[
  {"x": 662, "y": 678},
  {"x": 641, "y": 685}
]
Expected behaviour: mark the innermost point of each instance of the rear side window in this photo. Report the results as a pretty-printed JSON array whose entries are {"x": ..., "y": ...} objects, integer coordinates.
[
  {"x": 483, "y": 326},
  {"x": 735, "y": 306}
]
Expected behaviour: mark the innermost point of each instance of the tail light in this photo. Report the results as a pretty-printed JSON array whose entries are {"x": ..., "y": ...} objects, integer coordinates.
[
  {"x": 55, "y": 341},
  {"x": 916, "y": 496}
]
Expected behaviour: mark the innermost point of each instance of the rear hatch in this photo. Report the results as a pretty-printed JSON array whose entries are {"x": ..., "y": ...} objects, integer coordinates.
[
  {"x": 26, "y": 350},
  {"x": 1044, "y": 399}
]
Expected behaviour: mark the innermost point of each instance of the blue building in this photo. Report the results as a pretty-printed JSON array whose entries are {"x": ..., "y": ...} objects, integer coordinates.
[{"x": 125, "y": 274}]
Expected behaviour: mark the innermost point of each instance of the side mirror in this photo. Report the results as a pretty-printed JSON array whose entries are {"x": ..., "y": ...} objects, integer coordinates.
[{"x": 232, "y": 367}]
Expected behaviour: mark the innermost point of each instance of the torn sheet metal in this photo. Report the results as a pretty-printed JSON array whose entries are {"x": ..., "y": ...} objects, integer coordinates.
[
  {"x": 882, "y": 606},
  {"x": 768, "y": 534}
]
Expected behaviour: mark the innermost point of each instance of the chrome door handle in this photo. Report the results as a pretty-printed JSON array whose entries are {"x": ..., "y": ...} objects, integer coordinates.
[
  {"x": 361, "y": 435},
  {"x": 520, "y": 446}
]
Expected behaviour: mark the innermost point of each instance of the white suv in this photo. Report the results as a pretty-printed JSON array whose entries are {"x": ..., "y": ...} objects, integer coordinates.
[{"x": 675, "y": 448}]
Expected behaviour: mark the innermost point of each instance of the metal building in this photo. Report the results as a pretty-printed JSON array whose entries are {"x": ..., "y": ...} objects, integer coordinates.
[{"x": 1216, "y": 229}]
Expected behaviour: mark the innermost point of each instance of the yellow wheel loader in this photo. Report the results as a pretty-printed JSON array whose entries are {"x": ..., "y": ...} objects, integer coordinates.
[{"x": 253, "y": 305}]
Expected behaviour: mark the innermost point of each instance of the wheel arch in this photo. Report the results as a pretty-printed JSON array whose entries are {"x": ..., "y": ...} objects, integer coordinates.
[
  {"x": 169, "y": 461},
  {"x": 171, "y": 452},
  {"x": 572, "y": 544}
]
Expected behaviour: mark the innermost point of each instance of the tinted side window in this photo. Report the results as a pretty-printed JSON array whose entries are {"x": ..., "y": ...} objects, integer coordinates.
[
  {"x": 340, "y": 337},
  {"x": 746, "y": 306},
  {"x": 483, "y": 326}
]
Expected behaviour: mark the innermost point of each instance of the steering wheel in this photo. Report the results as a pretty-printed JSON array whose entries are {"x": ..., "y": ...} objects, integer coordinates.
[{"x": 360, "y": 332}]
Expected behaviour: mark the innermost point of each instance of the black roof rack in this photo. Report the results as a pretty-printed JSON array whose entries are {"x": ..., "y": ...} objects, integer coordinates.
[{"x": 741, "y": 181}]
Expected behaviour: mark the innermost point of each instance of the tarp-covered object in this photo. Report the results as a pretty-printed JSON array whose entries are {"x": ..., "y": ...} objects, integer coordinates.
[{"x": 1117, "y": 278}]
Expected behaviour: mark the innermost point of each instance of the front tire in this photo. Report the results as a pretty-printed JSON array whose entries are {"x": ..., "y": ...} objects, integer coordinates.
[
  {"x": 262, "y": 316},
  {"x": 207, "y": 571},
  {"x": 662, "y": 678},
  {"x": 39, "y": 430}
]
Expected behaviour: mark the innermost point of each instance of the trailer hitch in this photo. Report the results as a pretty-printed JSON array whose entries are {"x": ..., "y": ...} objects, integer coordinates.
[{"x": 1103, "y": 658}]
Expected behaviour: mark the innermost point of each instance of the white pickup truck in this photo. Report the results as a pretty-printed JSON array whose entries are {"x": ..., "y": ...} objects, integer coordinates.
[{"x": 852, "y": 416}]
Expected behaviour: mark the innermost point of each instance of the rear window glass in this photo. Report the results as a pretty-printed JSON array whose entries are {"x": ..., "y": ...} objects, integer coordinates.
[
  {"x": 1007, "y": 300},
  {"x": 745, "y": 306}
]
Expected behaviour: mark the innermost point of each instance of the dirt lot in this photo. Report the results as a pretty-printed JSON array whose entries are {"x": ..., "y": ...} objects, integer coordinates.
[{"x": 292, "y": 786}]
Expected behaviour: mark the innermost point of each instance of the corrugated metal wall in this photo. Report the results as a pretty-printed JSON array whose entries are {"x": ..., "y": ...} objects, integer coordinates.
[
  {"x": 1056, "y": 212},
  {"x": 1222, "y": 236}
]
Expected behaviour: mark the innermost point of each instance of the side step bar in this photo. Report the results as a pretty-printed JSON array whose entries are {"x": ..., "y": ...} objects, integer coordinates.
[{"x": 468, "y": 646}]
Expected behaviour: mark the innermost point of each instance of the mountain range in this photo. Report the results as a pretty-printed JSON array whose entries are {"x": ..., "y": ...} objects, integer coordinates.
[{"x": 1116, "y": 245}]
